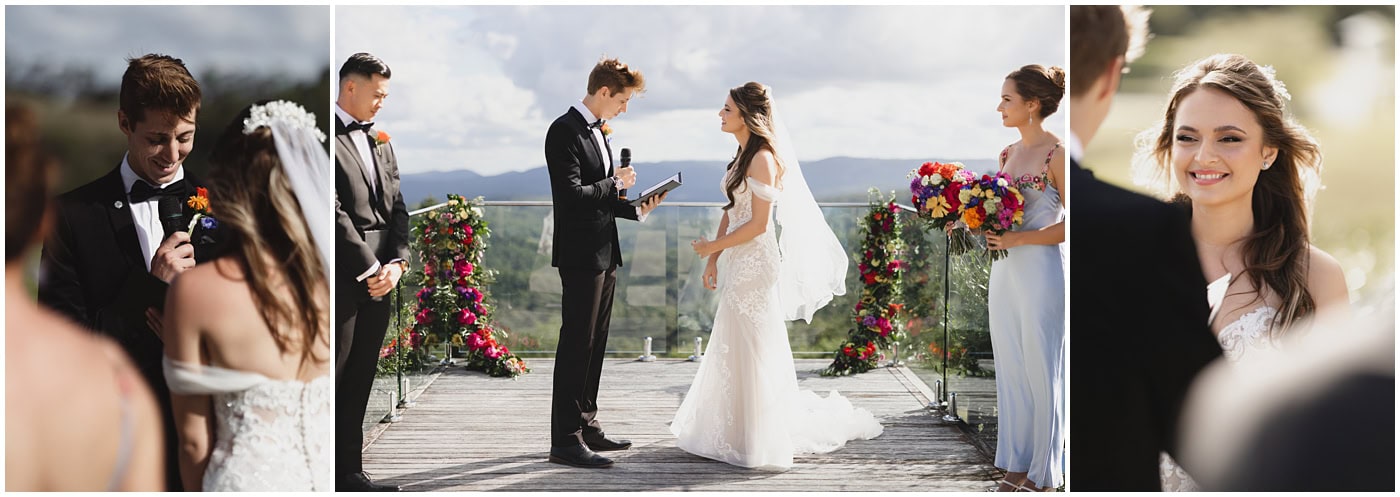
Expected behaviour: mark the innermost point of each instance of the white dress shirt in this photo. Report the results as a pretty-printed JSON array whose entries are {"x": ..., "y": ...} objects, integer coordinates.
[
  {"x": 361, "y": 141},
  {"x": 598, "y": 139},
  {"x": 146, "y": 214}
]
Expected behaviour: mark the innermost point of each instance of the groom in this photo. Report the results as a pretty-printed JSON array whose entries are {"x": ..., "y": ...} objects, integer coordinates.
[
  {"x": 371, "y": 254},
  {"x": 1139, "y": 324},
  {"x": 584, "y": 182},
  {"x": 119, "y": 240}
]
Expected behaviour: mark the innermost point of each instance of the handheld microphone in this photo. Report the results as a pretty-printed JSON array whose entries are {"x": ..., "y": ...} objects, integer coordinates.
[
  {"x": 626, "y": 162},
  {"x": 172, "y": 214}
]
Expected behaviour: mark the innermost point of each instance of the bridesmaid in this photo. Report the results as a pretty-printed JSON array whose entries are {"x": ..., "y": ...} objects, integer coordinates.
[{"x": 1027, "y": 290}]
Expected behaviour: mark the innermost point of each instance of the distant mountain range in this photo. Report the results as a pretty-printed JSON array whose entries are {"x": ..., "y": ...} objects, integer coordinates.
[{"x": 837, "y": 179}]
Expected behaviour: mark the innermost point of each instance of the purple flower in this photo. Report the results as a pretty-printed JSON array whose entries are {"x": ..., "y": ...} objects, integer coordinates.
[{"x": 208, "y": 223}]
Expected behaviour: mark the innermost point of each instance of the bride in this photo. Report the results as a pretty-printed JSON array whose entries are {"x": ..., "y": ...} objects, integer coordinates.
[
  {"x": 1247, "y": 173},
  {"x": 744, "y": 407},
  {"x": 247, "y": 346}
]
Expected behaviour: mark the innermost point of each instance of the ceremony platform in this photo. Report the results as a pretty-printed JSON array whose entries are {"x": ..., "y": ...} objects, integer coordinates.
[{"x": 471, "y": 432}]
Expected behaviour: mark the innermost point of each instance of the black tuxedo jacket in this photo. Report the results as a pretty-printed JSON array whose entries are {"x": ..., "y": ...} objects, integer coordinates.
[
  {"x": 359, "y": 208},
  {"x": 1138, "y": 333},
  {"x": 586, "y": 204},
  {"x": 92, "y": 268}
]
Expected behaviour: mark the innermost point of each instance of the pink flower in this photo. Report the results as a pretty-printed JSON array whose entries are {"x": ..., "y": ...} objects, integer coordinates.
[
  {"x": 494, "y": 352},
  {"x": 424, "y": 316},
  {"x": 466, "y": 317},
  {"x": 463, "y": 268}
]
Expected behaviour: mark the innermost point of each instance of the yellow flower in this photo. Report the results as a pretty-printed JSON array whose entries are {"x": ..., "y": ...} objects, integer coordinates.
[
  {"x": 938, "y": 206},
  {"x": 964, "y": 196},
  {"x": 457, "y": 339},
  {"x": 989, "y": 194}
]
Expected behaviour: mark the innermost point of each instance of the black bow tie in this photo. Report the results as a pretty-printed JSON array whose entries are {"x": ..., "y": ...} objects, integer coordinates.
[
  {"x": 142, "y": 191},
  {"x": 365, "y": 126},
  {"x": 595, "y": 124}
]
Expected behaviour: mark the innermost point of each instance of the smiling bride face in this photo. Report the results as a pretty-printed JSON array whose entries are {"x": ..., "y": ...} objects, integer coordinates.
[
  {"x": 730, "y": 121},
  {"x": 1218, "y": 148}
]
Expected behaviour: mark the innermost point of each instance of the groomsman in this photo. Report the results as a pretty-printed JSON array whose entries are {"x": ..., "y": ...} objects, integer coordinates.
[
  {"x": 118, "y": 241},
  {"x": 371, "y": 254},
  {"x": 1138, "y": 327}
]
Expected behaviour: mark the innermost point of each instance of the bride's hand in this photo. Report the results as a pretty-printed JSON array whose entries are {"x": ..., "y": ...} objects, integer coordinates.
[
  {"x": 702, "y": 247},
  {"x": 711, "y": 276}
]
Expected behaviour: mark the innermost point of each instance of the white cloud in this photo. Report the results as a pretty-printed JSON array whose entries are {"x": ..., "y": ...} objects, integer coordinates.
[
  {"x": 264, "y": 40},
  {"x": 476, "y": 87}
]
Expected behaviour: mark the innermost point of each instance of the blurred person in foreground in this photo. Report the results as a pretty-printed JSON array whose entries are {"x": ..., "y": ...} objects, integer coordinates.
[
  {"x": 1316, "y": 413},
  {"x": 70, "y": 425}
]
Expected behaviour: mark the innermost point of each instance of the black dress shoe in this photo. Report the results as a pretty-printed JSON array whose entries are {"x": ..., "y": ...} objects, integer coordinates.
[
  {"x": 360, "y": 482},
  {"x": 602, "y": 443},
  {"x": 578, "y": 456}
]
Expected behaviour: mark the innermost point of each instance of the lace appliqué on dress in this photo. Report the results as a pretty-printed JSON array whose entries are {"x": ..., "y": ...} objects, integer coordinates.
[{"x": 269, "y": 435}]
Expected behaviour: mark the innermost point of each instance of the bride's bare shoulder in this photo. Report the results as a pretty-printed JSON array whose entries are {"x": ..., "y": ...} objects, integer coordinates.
[
  {"x": 764, "y": 167},
  {"x": 1326, "y": 281}
]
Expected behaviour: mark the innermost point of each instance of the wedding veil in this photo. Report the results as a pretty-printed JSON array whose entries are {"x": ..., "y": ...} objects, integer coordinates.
[
  {"x": 813, "y": 267},
  {"x": 305, "y": 163}
]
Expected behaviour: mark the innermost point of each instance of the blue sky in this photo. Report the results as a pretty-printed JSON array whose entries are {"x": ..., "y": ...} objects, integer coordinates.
[{"x": 476, "y": 87}]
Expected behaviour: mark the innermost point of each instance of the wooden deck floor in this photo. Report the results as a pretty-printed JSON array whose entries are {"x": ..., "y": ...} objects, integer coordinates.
[{"x": 470, "y": 432}]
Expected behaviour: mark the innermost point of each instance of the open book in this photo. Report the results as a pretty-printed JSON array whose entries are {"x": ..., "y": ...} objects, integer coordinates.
[{"x": 665, "y": 186}]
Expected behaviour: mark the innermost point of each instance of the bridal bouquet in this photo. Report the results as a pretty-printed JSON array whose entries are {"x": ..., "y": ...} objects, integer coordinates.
[
  {"x": 993, "y": 204},
  {"x": 936, "y": 193}
]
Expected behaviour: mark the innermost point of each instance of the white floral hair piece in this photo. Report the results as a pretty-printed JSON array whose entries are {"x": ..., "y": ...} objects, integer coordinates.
[{"x": 290, "y": 114}]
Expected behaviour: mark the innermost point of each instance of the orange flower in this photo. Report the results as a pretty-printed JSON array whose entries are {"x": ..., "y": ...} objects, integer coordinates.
[
  {"x": 972, "y": 218},
  {"x": 199, "y": 203},
  {"x": 201, "y": 191},
  {"x": 382, "y": 137}
]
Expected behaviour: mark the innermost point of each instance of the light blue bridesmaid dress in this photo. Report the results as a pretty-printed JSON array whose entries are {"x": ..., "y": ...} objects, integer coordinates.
[{"x": 1026, "y": 306}]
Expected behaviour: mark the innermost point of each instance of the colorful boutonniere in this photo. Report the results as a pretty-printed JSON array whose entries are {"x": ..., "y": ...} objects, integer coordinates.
[
  {"x": 199, "y": 202},
  {"x": 381, "y": 138},
  {"x": 606, "y": 129}
]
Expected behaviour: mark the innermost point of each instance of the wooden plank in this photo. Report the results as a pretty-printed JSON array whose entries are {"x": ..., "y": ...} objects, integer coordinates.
[{"x": 470, "y": 432}]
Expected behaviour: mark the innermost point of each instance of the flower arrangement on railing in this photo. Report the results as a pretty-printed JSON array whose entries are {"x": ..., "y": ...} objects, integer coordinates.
[
  {"x": 877, "y": 312},
  {"x": 452, "y": 304}
]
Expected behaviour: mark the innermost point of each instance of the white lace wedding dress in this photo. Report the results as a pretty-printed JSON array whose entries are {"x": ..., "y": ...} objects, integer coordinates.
[
  {"x": 1249, "y": 333},
  {"x": 744, "y": 407},
  {"x": 269, "y": 435}
]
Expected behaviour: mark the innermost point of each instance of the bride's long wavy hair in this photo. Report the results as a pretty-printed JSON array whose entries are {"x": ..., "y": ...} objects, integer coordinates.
[
  {"x": 266, "y": 235},
  {"x": 1276, "y": 252},
  {"x": 755, "y": 105}
]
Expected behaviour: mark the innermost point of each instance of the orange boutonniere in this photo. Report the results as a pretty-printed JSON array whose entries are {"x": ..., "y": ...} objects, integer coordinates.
[
  {"x": 200, "y": 201},
  {"x": 381, "y": 138},
  {"x": 606, "y": 129}
]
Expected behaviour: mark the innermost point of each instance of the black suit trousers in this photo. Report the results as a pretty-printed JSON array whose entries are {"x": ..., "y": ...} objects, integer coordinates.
[
  {"x": 361, "y": 324},
  {"x": 578, "y": 364}
]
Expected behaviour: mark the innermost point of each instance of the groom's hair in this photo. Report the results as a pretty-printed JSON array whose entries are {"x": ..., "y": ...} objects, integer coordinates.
[
  {"x": 155, "y": 82},
  {"x": 616, "y": 76},
  {"x": 1099, "y": 34},
  {"x": 363, "y": 64}
]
